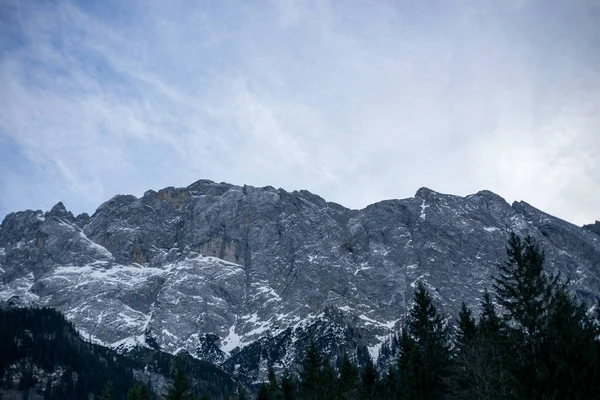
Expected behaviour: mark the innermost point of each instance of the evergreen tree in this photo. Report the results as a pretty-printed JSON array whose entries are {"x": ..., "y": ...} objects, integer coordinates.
[
  {"x": 138, "y": 391},
  {"x": 466, "y": 365},
  {"x": 241, "y": 393},
  {"x": 274, "y": 387},
  {"x": 310, "y": 376},
  {"x": 329, "y": 382},
  {"x": 369, "y": 380},
  {"x": 109, "y": 391},
  {"x": 409, "y": 369},
  {"x": 523, "y": 289},
  {"x": 489, "y": 321},
  {"x": 288, "y": 387},
  {"x": 569, "y": 364},
  {"x": 390, "y": 385},
  {"x": 48, "y": 390},
  {"x": 485, "y": 359},
  {"x": 348, "y": 379},
  {"x": 525, "y": 293},
  {"x": 263, "y": 392},
  {"x": 179, "y": 389},
  {"x": 466, "y": 331},
  {"x": 426, "y": 326}
]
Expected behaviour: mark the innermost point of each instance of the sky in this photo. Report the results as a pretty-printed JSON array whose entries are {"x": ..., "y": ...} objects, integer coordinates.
[{"x": 357, "y": 101}]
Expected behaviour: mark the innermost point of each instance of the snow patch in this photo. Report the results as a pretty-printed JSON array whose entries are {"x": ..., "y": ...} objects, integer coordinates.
[
  {"x": 362, "y": 267},
  {"x": 423, "y": 208},
  {"x": 490, "y": 229},
  {"x": 374, "y": 351},
  {"x": 232, "y": 341},
  {"x": 129, "y": 342}
]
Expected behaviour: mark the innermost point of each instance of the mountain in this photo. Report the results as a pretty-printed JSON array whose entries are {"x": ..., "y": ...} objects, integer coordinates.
[{"x": 244, "y": 276}]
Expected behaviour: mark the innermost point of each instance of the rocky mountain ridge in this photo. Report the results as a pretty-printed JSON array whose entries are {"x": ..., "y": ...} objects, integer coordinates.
[{"x": 241, "y": 276}]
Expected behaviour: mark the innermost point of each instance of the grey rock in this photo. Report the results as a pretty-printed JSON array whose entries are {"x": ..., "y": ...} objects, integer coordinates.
[
  {"x": 595, "y": 227},
  {"x": 242, "y": 276}
]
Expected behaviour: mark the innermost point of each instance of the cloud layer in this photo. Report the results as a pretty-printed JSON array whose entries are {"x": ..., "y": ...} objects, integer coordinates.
[{"x": 355, "y": 101}]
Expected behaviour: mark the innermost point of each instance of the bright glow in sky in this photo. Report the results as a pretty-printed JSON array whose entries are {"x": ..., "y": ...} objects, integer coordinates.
[{"x": 357, "y": 101}]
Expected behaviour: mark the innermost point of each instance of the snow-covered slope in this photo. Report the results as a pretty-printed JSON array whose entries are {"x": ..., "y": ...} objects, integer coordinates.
[{"x": 243, "y": 275}]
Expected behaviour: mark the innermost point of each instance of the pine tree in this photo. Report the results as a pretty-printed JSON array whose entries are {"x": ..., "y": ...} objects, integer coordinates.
[
  {"x": 466, "y": 331},
  {"x": 241, "y": 393},
  {"x": 466, "y": 365},
  {"x": 138, "y": 392},
  {"x": 426, "y": 326},
  {"x": 487, "y": 356},
  {"x": 288, "y": 387},
  {"x": 263, "y": 392},
  {"x": 489, "y": 321},
  {"x": 525, "y": 293},
  {"x": 180, "y": 388},
  {"x": 348, "y": 377},
  {"x": 273, "y": 386},
  {"x": 390, "y": 384},
  {"x": 329, "y": 382},
  {"x": 523, "y": 289},
  {"x": 369, "y": 380},
  {"x": 409, "y": 369},
  {"x": 569, "y": 363},
  {"x": 310, "y": 376},
  {"x": 109, "y": 391}
]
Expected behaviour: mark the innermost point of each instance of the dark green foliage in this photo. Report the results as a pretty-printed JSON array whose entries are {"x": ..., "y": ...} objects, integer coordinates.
[
  {"x": 348, "y": 380},
  {"x": 523, "y": 289},
  {"x": 549, "y": 343},
  {"x": 139, "y": 392},
  {"x": 369, "y": 382},
  {"x": 410, "y": 368},
  {"x": 328, "y": 381},
  {"x": 205, "y": 378},
  {"x": 288, "y": 386},
  {"x": 241, "y": 393},
  {"x": 263, "y": 392},
  {"x": 390, "y": 388},
  {"x": 179, "y": 389},
  {"x": 275, "y": 391},
  {"x": 431, "y": 343},
  {"x": 467, "y": 329},
  {"x": 310, "y": 376},
  {"x": 478, "y": 368},
  {"x": 569, "y": 349},
  {"x": 43, "y": 338},
  {"x": 109, "y": 391},
  {"x": 489, "y": 321},
  {"x": 270, "y": 390}
]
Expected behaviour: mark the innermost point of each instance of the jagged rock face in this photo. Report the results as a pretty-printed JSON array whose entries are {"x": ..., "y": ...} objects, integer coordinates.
[
  {"x": 250, "y": 265},
  {"x": 595, "y": 227}
]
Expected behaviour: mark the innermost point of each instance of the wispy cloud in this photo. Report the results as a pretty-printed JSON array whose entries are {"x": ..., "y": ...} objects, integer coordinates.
[{"x": 354, "y": 101}]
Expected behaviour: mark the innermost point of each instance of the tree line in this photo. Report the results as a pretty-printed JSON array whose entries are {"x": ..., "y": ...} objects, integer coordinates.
[{"x": 529, "y": 339}]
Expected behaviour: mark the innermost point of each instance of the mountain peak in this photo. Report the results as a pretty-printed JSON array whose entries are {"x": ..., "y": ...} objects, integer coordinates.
[
  {"x": 59, "y": 210},
  {"x": 424, "y": 193}
]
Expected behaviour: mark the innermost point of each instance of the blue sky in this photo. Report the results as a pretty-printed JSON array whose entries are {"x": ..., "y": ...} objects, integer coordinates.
[{"x": 357, "y": 101}]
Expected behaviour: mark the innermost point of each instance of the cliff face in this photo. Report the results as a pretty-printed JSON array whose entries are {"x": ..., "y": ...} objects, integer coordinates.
[{"x": 242, "y": 275}]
